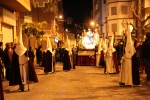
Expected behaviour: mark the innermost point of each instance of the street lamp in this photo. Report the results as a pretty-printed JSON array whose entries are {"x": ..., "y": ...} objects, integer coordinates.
[
  {"x": 93, "y": 25},
  {"x": 60, "y": 17}
]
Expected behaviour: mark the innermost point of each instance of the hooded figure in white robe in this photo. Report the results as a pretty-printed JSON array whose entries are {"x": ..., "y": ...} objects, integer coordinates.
[
  {"x": 126, "y": 62},
  {"x": 111, "y": 58},
  {"x": 22, "y": 71},
  {"x": 48, "y": 57}
]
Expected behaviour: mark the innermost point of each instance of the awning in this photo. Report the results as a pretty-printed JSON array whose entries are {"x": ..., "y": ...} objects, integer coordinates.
[{"x": 16, "y": 5}]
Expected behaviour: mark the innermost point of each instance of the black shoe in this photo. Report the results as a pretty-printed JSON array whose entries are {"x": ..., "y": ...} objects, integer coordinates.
[
  {"x": 22, "y": 90},
  {"x": 19, "y": 89}
]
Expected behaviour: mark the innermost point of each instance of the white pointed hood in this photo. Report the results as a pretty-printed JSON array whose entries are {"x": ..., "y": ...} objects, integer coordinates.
[
  {"x": 20, "y": 49},
  {"x": 111, "y": 44},
  {"x": 48, "y": 44},
  {"x": 129, "y": 49},
  {"x": 105, "y": 45},
  {"x": 68, "y": 45}
]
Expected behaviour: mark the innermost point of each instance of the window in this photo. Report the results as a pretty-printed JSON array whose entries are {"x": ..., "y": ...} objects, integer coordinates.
[
  {"x": 113, "y": 10},
  {"x": 114, "y": 27},
  {"x": 124, "y": 9},
  {"x": 104, "y": 1}
]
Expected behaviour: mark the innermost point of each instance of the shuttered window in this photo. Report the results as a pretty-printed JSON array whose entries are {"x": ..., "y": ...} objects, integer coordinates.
[
  {"x": 124, "y": 9},
  {"x": 114, "y": 27},
  {"x": 113, "y": 10}
]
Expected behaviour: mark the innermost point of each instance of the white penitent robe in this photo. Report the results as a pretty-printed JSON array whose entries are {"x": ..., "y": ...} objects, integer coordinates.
[
  {"x": 126, "y": 70},
  {"x": 98, "y": 55},
  {"x": 98, "y": 59},
  {"x": 126, "y": 64},
  {"x": 23, "y": 63},
  {"x": 110, "y": 66}
]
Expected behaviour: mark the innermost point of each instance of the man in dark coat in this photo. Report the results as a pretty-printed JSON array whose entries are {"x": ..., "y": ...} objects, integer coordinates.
[
  {"x": 1, "y": 60},
  {"x": 39, "y": 55},
  {"x": 145, "y": 55},
  {"x": 136, "y": 64},
  {"x": 1, "y": 89}
]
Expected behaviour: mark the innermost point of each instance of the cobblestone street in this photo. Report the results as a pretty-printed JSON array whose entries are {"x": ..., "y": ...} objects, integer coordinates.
[{"x": 83, "y": 83}]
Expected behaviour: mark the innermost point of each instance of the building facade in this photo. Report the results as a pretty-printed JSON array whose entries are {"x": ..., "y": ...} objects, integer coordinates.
[
  {"x": 16, "y": 12},
  {"x": 8, "y": 18},
  {"x": 110, "y": 14}
]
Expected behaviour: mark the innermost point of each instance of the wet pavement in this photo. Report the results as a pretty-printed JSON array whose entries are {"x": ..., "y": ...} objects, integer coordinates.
[{"x": 82, "y": 83}]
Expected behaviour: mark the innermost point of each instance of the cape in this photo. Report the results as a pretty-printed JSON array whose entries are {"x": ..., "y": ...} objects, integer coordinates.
[
  {"x": 47, "y": 62},
  {"x": 15, "y": 76}
]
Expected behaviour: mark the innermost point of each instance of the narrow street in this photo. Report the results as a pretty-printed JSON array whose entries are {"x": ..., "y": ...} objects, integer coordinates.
[{"x": 83, "y": 83}]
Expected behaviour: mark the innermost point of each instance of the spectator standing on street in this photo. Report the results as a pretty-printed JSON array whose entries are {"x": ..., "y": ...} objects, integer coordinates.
[
  {"x": 39, "y": 55},
  {"x": 31, "y": 54},
  {"x": 136, "y": 64},
  {"x": 1, "y": 89},
  {"x": 8, "y": 52},
  {"x": 145, "y": 55},
  {"x": 2, "y": 60}
]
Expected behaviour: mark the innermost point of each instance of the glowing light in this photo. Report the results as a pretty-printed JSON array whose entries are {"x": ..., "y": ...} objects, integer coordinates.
[
  {"x": 60, "y": 17},
  {"x": 92, "y": 23},
  {"x": 90, "y": 40}
]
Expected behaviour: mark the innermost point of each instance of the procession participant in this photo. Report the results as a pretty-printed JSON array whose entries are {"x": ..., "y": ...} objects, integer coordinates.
[
  {"x": 99, "y": 53},
  {"x": 47, "y": 60},
  {"x": 111, "y": 58},
  {"x": 126, "y": 63},
  {"x": 22, "y": 71},
  {"x": 67, "y": 61},
  {"x": 74, "y": 57},
  {"x": 119, "y": 50},
  {"x": 103, "y": 54}
]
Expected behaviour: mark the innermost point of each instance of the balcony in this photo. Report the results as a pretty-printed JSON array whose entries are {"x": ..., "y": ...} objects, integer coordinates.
[{"x": 16, "y": 5}]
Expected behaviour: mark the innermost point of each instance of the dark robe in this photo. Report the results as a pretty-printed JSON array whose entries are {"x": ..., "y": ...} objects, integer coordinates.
[
  {"x": 115, "y": 61},
  {"x": 135, "y": 70},
  {"x": 32, "y": 74},
  {"x": 39, "y": 56},
  {"x": 15, "y": 76},
  {"x": 66, "y": 62},
  {"x": 119, "y": 50},
  {"x": 43, "y": 60},
  {"x": 1, "y": 89},
  {"x": 145, "y": 56},
  {"x": 47, "y": 62},
  {"x": 73, "y": 59},
  {"x": 7, "y": 63},
  {"x": 102, "y": 61}
]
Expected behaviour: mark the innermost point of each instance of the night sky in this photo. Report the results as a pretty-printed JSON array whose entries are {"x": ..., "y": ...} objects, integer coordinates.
[{"x": 77, "y": 9}]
